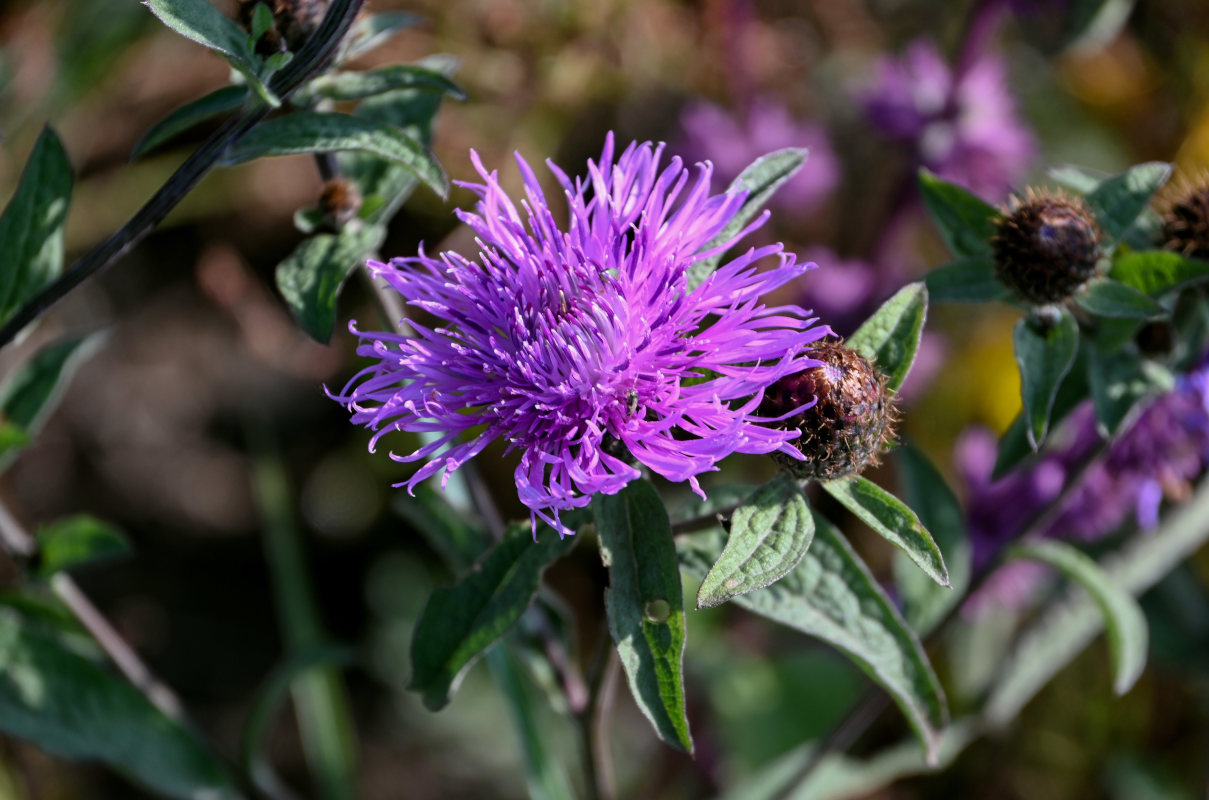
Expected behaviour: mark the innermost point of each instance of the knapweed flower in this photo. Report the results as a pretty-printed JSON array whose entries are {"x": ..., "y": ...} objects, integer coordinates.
[
  {"x": 731, "y": 142},
  {"x": 1156, "y": 459},
  {"x": 964, "y": 127},
  {"x": 587, "y": 350},
  {"x": 1046, "y": 248}
]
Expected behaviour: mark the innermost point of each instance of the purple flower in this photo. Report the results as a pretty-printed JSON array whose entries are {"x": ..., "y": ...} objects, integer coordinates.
[
  {"x": 731, "y": 143},
  {"x": 1157, "y": 458},
  {"x": 577, "y": 347},
  {"x": 964, "y": 128}
]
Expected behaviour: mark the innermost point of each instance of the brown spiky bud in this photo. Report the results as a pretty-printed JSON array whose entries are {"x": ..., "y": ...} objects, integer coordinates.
[
  {"x": 293, "y": 23},
  {"x": 1046, "y": 248},
  {"x": 339, "y": 202},
  {"x": 849, "y": 425},
  {"x": 1186, "y": 223}
]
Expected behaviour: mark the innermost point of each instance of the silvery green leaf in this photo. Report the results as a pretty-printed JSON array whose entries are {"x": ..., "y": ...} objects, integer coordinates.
[
  {"x": 1044, "y": 353},
  {"x": 890, "y": 337}
]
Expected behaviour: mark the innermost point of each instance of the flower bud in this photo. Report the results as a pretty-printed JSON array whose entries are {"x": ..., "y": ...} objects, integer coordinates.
[
  {"x": 1046, "y": 248},
  {"x": 1186, "y": 223},
  {"x": 849, "y": 425}
]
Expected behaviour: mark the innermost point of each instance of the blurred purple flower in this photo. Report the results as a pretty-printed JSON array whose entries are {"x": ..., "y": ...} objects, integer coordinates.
[
  {"x": 1157, "y": 458},
  {"x": 964, "y": 128},
  {"x": 576, "y": 347},
  {"x": 708, "y": 132}
]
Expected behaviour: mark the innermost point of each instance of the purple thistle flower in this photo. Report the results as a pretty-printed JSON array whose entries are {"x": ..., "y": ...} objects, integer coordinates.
[
  {"x": 962, "y": 127},
  {"x": 567, "y": 343},
  {"x": 1156, "y": 459},
  {"x": 732, "y": 142}
]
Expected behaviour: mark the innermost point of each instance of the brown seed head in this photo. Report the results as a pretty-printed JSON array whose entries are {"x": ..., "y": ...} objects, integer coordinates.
[
  {"x": 1046, "y": 248},
  {"x": 1186, "y": 220}
]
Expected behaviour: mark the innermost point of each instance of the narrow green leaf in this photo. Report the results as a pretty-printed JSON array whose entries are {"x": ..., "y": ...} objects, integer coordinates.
[
  {"x": 965, "y": 222},
  {"x": 262, "y": 20},
  {"x": 890, "y": 338},
  {"x": 75, "y": 541},
  {"x": 356, "y": 85},
  {"x": 1109, "y": 298},
  {"x": 220, "y": 101},
  {"x": 1121, "y": 382},
  {"x": 760, "y": 180},
  {"x": 1127, "y": 635},
  {"x": 34, "y": 389},
  {"x": 890, "y": 518},
  {"x": 310, "y": 278},
  {"x": 372, "y": 30},
  {"x": 645, "y": 605},
  {"x": 832, "y": 596},
  {"x": 316, "y": 132},
  {"x": 966, "y": 280},
  {"x": 1014, "y": 444},
  {"x": 461, "y": 621},
  {"x": 1044, "y": 356},
  {"x": 1157, "y": 272},
  {"x": 70, "y": 705},
  {"x": 769, "y": 534},
  {"x": 924, "y": 603},
  {"x": 1118, "y": 201},
  {"x": 31, "y": 228}
]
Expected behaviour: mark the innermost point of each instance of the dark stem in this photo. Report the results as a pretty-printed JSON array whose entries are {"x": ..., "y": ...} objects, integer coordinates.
[
  {"x": 593, "y": 719},
  {"x": 313, "y": 57}
]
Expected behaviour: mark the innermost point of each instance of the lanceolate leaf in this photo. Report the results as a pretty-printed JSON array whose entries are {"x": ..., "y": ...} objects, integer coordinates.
[
  {"x": 356, "y": 85},
  {"x": 1014, "y": 444},
  {"x": 1127, "y": 635},
  {"x": 966, "y": 280},
  {"x": 34, "y": 389},
  {"x": 769, "y": 534},
  {"x": 1118, "y": 201},
  {"x": 760, "y": 180},
  {"x": 220, "y": 101},
  {"x": 75, "y": 541},
  {"x": 311, "y": 277},
  {"x": 1109, "y": 298},
  {"x": 31, "y": 228},
  {"x": 316, "y": 132},
  {"x": 892, "y": 520},
  {"x": 74, "y": 707},
  {"x": 1120, "y": 383},
  {"x": 461, "y": 621},
  {"x": 371, "y": 30},
  {"x": 966, "y": 223},
  {"x": 1158, "y": 272},
  {"x": 645, "y": 605},
  {"x": 890, "y": 338},
  {"x": 1044, "y": 355},
  {"x": 831, "y": 595}
]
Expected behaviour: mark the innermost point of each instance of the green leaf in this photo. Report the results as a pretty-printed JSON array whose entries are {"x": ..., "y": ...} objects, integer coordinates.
[
  {"x": 1127, "y": 635},
  {"x": 371, "y": 30},
  {"x": 316, "y": 132},
  {"x": 645, "y": 605},
  {"x": 455, "y": 538},
  {"x": 34, "y": 389},
  {"x": 1109, "y": 298},
  {"x": 461, "y": 621},
  {"x": 965, "y": 222},
  {"x": 1078, "y": 179},
  {"x": 890, "y": 518},
  {"x": 1118, "y": 201},
  {"x": 1157, "y": 272},
  {"x": 310, "y": 278},
  {"x": 890, "y": 338},
  {"x": 1044, "y": 356},
  {"x": 760, "y": 180},
  {"x": 1014, "y": 444},
  {"x": 31, "y": 228},
  {"x": 72, "y": 706},
  {"x": 769, "y": 534},
  {"x": 832, "y": 596},
  {"x": 262, "y": 21},
  {"x": 356, "y": 85},
  {"x": 1120, "y": 383},
  {"x": 74, "y": 541},
  {"x": 220, "y": 101},
  {"x": 966, "y": 280},
  {"x": 924, "y": 603}
]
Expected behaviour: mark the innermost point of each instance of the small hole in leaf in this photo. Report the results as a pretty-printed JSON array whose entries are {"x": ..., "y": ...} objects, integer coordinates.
[{"x": 658, "y": 610}]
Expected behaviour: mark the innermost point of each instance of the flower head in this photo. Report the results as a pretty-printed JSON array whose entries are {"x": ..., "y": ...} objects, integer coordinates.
[
  {"x": 963, "y": 127},
  {"x": 1047, "y": 248},
  {"x": 587, "y": 349}
]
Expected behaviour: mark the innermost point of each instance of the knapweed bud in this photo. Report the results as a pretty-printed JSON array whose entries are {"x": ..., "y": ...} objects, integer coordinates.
[
  {"x": 853, "y": 420},
  {"x": 1186, "y": 222},
  {"x": 339, "y": 202},
  {"x": 1046, "y": 248}
]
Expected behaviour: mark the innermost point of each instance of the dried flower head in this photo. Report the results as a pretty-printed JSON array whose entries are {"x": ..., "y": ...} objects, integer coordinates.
[
  {"x": 1186, "y": 220},
  {"x": 1046, "y": 247},
  {"x": 565, "y": 344},
  {"x": 850, "y": 424}
]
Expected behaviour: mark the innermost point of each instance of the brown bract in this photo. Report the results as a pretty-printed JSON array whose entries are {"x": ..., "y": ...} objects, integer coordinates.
[
  {"x": 1186, "y": 220},
  {"x": 1046, "y": 248}
]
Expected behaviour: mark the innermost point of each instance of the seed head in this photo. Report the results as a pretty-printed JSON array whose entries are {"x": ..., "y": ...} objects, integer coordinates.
[
  {"x": 1046, "y": 248},
  {"x": 1186, "y": 222},
  {"x": 849, "y": 425}
]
